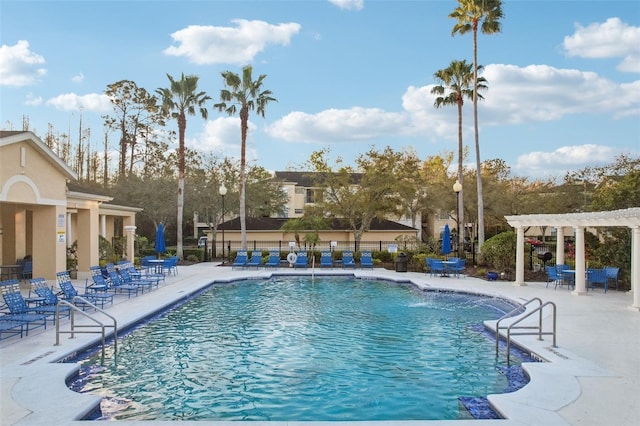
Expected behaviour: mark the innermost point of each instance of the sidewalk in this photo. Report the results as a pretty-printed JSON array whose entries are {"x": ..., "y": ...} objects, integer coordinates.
[{"x": 593, "y": 377}]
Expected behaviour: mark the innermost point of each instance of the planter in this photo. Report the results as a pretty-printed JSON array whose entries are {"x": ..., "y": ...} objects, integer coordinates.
[{"x": 73, "y": 274}]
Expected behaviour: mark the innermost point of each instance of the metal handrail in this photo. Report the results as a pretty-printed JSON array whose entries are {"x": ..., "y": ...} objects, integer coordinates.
[
  {"x": 508, "y": 315},
  {"x": 98, "y": 323},
  {"x": 539, "y": 331}
]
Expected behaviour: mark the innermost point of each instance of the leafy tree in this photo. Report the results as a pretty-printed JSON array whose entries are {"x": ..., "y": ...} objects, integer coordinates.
[
  {"x": 136, "y": 116},
  {"x": 470, "y": 13},
  {"x": 245, "y": 94},
  {"x": 457, "y": 78},
  {"x": 375, "y": 195},
  {"x": 178, "y": 100}
]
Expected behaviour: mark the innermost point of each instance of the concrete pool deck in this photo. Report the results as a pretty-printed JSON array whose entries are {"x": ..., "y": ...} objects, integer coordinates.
[{"x": 592, "y": 377}]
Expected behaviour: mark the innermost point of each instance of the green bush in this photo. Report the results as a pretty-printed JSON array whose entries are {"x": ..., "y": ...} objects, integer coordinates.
[{"x": 499, "y": 252}]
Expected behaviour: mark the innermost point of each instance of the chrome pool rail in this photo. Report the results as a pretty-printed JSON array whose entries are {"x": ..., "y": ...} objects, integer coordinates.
[{"x": 97, "y": 322}]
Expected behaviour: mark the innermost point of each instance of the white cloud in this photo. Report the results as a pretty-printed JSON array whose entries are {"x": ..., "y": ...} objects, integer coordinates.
[
  {"x": 72, "y": 102},
  {"x": 229, "y": 45},
  {"x": 19, "y": 66},
  {"x": 33, "y": 100},
  {"x": 348, "y": 4},
  {"x": 564, "y": 159},
  {"x": 610, "y": 39},
  {"x": 222, "y": 137},
  {"x": 338, "y": 125},
  {"x": 79, "y": 78}
]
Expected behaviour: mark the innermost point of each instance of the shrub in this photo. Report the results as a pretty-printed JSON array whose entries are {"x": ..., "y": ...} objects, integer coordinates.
[{"x": 500, "y": 252}]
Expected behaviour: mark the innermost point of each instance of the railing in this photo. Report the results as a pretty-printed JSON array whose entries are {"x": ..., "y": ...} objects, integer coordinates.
[
  {"x": 537, "y": 327},
  {"x": 96, "y": 322}
]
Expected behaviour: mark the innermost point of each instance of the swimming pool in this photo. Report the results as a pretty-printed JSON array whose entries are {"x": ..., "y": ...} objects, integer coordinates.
[{"x": 331, "y": 348}]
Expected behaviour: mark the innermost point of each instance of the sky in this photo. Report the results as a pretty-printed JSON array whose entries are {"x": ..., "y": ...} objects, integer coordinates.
[{"x": 348, "y": 75}]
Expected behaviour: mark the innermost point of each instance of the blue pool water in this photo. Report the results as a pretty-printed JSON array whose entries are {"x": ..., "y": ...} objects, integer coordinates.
[{"x": 297, "y": 349}]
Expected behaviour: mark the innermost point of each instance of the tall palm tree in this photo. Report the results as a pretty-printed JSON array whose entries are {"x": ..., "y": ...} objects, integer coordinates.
[
  {"x": 469, "y": 14},
  {"x": 458, "y": 79},
  {"x": 178, "y": 100},
  {"x": 244, "y": 94}
]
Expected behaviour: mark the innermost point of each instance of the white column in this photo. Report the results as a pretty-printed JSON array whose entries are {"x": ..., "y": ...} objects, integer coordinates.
[
  {"x": 635, "y": 266},
  {"x": 580, "y": 281},
  {"x": 69, "y": 236},
  {"x": 520, "y": 257},
  {"x": 560, "y": 245},
  {"x": 131, "y": 236},
  {"x": 103, "y": 225}
]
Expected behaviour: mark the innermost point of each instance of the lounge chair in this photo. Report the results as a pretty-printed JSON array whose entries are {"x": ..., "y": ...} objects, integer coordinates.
[
  {"x": 19, "y": 311},
  {"x": 274, "y": 260},
  {"x": 10, "y": 326},
  {"x": 143, "y": 283},
  {"x": 256, "y": 259},
  {"x": 347, "y": 259},
  {"x": 366, "y": 260},
  {"x": 118, "y": 285},
  {"x": 241, "y": 260},
  {"x": 326, "y": 259},
  {"x": 302, "y": 260},
  {"x": 96, "y": 298},
  {"x": 49, "y": 301}
]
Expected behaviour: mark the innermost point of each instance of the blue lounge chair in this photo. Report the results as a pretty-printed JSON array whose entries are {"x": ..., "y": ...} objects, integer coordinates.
[
  {"x": 118, "y": 285},
  {"x": 366, "y": 260},
  {"x": 143, "y": 283},
  {"x": 49, "y": 301},
  {"x": 347, "y": 259},
  {"x": 19, "y": 311},
  {"x": 241, "y": 260},
  {"x": 326, "y": 259},
  {"x": 256, "y": 259},
  {"x": 98, "y": 298},
  {"x": 301, "y": 260},
  {"x": 274, "y": 260},
  {"x": 597, "y": 277},
  {"x": 10, "y": 326}
]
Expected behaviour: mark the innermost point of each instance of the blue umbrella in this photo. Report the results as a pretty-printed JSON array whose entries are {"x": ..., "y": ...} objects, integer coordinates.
[
  {"x": 161, "y": 246},
  {"x": 446, "y": 240}
]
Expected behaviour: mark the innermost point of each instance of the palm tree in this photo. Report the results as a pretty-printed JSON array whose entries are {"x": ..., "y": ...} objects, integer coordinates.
[
  {"x": 469, "y": 14},
  {"x": 180, "y": 99},
  {"x": 458, "y": 79},
  {"x": 247, "y": 95}
]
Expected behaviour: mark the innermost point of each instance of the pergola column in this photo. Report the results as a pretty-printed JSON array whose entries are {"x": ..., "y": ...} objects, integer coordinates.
[
  {"x": 103, "y": 225},
  {"x": 580, "y": 281},
  {"x": 635, "y": 266},
  {"x": 131, "y": 236},
  {"x": 520, "y": 257},
  {"x": 560, "y": 245}
]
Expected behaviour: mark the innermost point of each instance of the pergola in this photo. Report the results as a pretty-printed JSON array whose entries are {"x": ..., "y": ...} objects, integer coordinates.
[{"x": 579, "y": 221}]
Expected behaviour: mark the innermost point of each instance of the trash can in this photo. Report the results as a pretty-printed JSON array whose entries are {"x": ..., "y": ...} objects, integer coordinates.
[{"x": 401, "y": 263}]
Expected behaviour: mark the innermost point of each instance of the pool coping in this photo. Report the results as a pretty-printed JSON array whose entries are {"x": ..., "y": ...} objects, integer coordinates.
[{"x": 33, "y": 386}]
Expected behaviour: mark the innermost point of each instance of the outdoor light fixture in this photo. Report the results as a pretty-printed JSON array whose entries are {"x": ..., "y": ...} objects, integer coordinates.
[
  {"x": 223, "y": 192},
  {"x": 457, "y": 188}
]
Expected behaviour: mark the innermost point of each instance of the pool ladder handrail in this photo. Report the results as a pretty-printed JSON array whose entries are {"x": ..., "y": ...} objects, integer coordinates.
[
  {"x": 92, "y": 318},
  {"x": 538, "y": 327}
]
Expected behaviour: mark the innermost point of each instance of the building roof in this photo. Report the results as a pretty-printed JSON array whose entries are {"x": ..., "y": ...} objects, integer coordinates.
[{"x": 275, "y": 224}]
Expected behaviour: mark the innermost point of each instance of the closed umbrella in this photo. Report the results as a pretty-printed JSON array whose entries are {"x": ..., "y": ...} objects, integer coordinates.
[
  {"x": 161, "y": 246},
  {"x": 446, "y": 240}
]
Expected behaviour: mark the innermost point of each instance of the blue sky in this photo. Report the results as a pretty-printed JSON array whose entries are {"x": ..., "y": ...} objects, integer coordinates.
[{"x": 564, "y": 91}]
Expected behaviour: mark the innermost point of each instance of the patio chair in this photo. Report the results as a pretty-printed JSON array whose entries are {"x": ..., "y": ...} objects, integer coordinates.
[
  {"x": 241, "y": 260},
  {"x": 49, "y": 302},
  {"x": 11, "y": 326},
  {"x": 256, "y": 260},
  {"x": 302, "y": 260},
  {"x": 597, "y": 277},
  {"x": 437, "y": 268},
  {"x": 170, "y": 265},
  {"x": 612, "y": 274},
  {"x": 459, "y": 268},
  {"x": 553, "y": 276},
  {"x": 118, "y": 285},
  {"x": 366, "y": 260},
  {"x": 27, "y": 270},
  {"x": 96, "y": 298},
  {"x": 19, "y": 311},
  {"x": 273, "y": 261},
  {"x": 326, "y": 259},
  {"x": 347, "y": 259},
  {"x": 140, "y": 282}
]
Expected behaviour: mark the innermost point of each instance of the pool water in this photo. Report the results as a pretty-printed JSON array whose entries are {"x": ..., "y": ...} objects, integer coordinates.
[{"x": 297, "y": 349}]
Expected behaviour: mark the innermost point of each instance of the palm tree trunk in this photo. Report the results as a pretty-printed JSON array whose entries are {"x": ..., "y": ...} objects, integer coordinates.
[
  {"x": 460, "y": 200},
  {"x": 244, "y": 120},
  {"x": 477, "y": 140},
  {"x": 182, "y": 125}
]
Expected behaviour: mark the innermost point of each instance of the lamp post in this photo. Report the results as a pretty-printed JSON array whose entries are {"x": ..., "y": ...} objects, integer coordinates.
[
  {"x": 223, "y": 192},
  {"x": 457, "y": 187}
]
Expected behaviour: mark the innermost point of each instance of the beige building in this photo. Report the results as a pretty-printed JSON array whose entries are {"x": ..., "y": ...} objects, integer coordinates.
[{"x": 41, "y": 214}]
